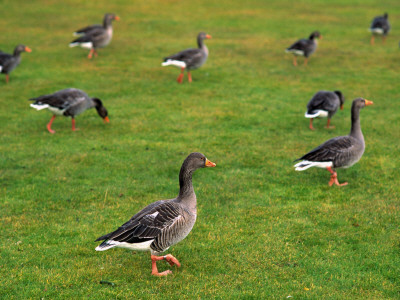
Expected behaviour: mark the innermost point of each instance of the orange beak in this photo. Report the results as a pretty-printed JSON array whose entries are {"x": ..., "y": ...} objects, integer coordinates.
[
  {"x": 116, "y": 18},
  {"x": 208, "y": 36},
  {"x": 27, "y": 49},
  {"x": 341, "y": 107},
  {"x": 210, "y": 163},
  {"x": 367, "y": 102},
  {"x": 106, "y": 120}
]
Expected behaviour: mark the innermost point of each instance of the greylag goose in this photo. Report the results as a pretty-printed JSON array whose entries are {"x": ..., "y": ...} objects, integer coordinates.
[
  {"x": 380, "y": 26},
  {"x": 324, "y": 104},
  {"x": 339, "y": 152},
  {"x": 69, "y": 103},
  {"x": 9, "y": 62},
  {"x": 304, "y": 47},
  {"x": 189, "y": 59},
  {"x": 95, "y": 36},
  {"x": 163, "y": 223}
]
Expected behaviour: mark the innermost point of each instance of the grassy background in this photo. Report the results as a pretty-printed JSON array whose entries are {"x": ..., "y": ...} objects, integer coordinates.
[{"x": 263, "y": 230}]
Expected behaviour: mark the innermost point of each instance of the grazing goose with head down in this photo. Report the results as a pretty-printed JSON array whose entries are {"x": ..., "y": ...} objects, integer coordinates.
[
  {"x": 339, "y": 152},
  {"x": 9, "y": 62},
  {"x": 95, "y": 36},
  {"x": 69, "y": 103},
  {"x": 380, "y": 26},
  {"x": 189, "y": 59},
  {"x": 304, "y": 47},
  {"x": 324, "y": 104},
  {"x": 163, "y": 223}
]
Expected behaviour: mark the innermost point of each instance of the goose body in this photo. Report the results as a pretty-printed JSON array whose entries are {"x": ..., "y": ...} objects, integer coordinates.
[
  {"x": 189, "y": 59},
  {"x": 163, "y": 223},
  {"x": 69, "y": 103},
  {"x": 338, "y": 152},
  {"x": 95, "y": 36},
  {"x": 304, "y": 47},
  {"x": 8, "y": 62},
  {"x": 324, "y": 104},
  {"x": 380, "y": 26}
]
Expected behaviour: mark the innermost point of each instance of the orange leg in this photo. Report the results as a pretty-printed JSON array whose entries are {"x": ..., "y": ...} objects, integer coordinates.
[
  {"x": 180, "y": 77},
  {"x": 327, "y": 125},
  {"x": 306, "y": 61},
  {"x": 311, "y": 127},
  {"x": 372, "y": 39},
  {"x": 294, "y": 61},
  {"x": 49, "y": 124},
  {"x": 91, "y": 53},
  {"x": 169, "y": 258},
  {"x": 7, "y": 78},
  {"x": 73, "y": 125},
  {"x": 189, "y": 77},
  {"x": 334, "y": 179}
]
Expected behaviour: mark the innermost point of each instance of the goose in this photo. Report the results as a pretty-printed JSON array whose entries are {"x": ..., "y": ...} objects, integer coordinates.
[
  {"x": 9, "y": 62},
  {"x": 380, "y": 26},
  {"x": 304, "y": 47},
  {"x": 189, "y": 59},
  {"x": 338, "y": 152},
  {"x": 95, "y": 36},
  {"x": 161, "y": 224},
  {"x": 324, "y": 104},
  {"x": 69, "y": 103}
]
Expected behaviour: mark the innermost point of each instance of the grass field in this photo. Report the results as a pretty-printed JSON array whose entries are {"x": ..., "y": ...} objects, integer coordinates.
[{"x": 263, "y": 229}]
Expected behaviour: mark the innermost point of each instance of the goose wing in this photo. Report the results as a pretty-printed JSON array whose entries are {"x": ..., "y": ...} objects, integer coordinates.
[
  {"x": 189, "y": 56},
  {"x": 62, "y": 100},
  {"x": 323, "y": 100},
  {"x": 334, "y": 149},
  {"x": 147, "y": 224}
]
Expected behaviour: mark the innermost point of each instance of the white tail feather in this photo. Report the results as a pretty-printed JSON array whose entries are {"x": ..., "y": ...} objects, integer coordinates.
[
  {"x": 1, "y": 68},
  {"x": 39, "y": 106},
  {"x": 319, "y": 113},
  {"x": 305, "y": 164},
  {"x": 176, "y": 63}
]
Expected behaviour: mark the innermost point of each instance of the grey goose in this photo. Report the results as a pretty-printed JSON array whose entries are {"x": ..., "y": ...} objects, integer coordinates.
[
  {"x": 324, "y": 104},
  {"x": 189, "y": 59},
  {"x": 380, "y": 26},
  {"x": 8, "y": 62},
  {"x": 338, "y": 152},
  {"x": 95, "y": 36},
  {"x": 69, "y": 103},
  {"x": 161, "y": 224},
  {"x": 304, "y": 47}
]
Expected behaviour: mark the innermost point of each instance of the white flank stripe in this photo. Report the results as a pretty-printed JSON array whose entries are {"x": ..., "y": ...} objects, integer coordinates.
[
  {"x": 73, "y": 44},
  {"x": 1, "y": 68},
  {"x": 88, "y": 45},
  {"x": 319, "y": 113},
  {"x": 376, "y": 30},
  {"x": 305, "y": 164},
  {"x": 176, "y": 63},
  {"x": 139, "y": 246},
  {"x": 39, "y": 106},
  {"x": 295, "y": 52}
]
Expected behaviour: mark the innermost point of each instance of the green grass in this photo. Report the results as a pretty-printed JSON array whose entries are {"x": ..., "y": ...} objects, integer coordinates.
[{"x": 263, "y": 230}]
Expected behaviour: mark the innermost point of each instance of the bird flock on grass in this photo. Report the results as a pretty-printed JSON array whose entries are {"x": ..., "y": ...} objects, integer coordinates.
[{"x": 164, "y": 223}]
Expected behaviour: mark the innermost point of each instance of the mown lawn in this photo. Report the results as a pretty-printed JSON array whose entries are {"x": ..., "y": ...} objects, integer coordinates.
[{"x": 263, "y": 229}]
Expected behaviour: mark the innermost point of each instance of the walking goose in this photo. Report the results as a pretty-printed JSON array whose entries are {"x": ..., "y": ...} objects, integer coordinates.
[
  {"x": 163, "y": 223},
  {"x": 189, "y": 59},
  {"x": 339, "y": 152},
  {"x": 380, "y": 26},
  {"x": 304, "y": 47},
  {"x": 324, "y": 104},
  {"x": 9, "y": 62},
  {"x": 69, "y": 103},
  {"x": 95, "y": 36}
]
